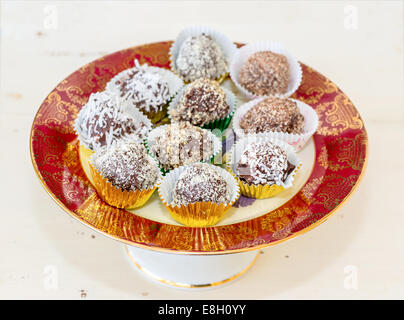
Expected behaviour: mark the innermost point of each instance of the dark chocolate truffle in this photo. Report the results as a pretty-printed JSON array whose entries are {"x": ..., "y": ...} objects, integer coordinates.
[
  {"x": 202, "y": 102},
  {"x": 264, "y": 163},
  {"x": 200, "y": 56},
  {"x": 127, "y": 166},
  {"x": 201, "y": 183},
  {"x": 179, "y": 144},
  {"x": 265, "y": 73},
  {"x": 273, "y": 114},
  {"x": 103, "y": 121}
]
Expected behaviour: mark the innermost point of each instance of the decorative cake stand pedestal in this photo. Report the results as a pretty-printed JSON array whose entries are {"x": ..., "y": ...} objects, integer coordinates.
[{"x": 191, "y": 271}]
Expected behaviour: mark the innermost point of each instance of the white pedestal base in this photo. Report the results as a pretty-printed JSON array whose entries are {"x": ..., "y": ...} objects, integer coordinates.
[{"x": 191, "y": 271}]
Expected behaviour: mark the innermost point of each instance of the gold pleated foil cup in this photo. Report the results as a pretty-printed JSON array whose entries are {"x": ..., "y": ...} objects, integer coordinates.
[
  {"x": 198, "y": 214},
  {"x": 261, "y": 191},
  {"x": 85, "y": 155},
  {"x": 116, "y": 197}
]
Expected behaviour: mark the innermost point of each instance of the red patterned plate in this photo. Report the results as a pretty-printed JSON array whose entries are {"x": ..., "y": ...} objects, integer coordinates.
[{"x": 339, "y": 157}]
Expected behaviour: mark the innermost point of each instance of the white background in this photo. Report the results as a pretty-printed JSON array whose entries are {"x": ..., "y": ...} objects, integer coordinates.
[{"x": 37, "y": 239}]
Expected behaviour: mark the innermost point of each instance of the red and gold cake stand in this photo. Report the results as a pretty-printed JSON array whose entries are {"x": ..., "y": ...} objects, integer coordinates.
[{"x": 334, "y": 160}]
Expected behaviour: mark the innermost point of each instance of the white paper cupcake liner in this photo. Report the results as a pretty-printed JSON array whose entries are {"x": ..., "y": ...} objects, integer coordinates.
[
  {"x": 227, "y": 45},
  {"x": 125, "y": 107},
  {"x": 296, "y": 140},
  {"x": 235, "y": 153},
  {"x": 174, "y": 82},
  {"x": 167, "y": 184},
  {"x": 242, "y": 55},
  {"x": 156, "y": 132},
  {"x": 231, "y": 100}
]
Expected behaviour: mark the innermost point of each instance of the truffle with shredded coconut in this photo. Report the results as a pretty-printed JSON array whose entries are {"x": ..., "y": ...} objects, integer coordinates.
[
  {"x": 200, "y": 56},
  {"x": 103, "y": 120},
  {"x": 273, "y": 114},
  {"x": 265, "y": 73},
  {"x": 200, "y": 183},
  {"x": 127, "y": 166},
  {"x": 264, "y": 163},
  {"x": 179, "y": 144},
  {"x": 202, "y": 102},
  {"x": 145, "y": 88}
]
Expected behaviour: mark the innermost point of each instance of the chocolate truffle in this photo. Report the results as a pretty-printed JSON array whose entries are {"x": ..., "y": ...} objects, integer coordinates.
[
  {"x": 201, "y": 183},
  {"x": 200, "y": 56},
  {"x": 144, "y": 87},
  {"x": 202, "y": 102},
  {"x": 179, "y": 144},
  {"x": 273, "y": 114},
  {"x": 127, "y": 166},
  {"x": 264, "y": 163},
  {"x": 103, "y": 120},
  {"x": 265, "y": 73}
]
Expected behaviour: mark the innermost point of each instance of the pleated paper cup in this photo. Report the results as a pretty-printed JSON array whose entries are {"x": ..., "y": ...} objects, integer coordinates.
[
  {"x": 221, "y": 124},
  {"x": 295, "y": 140},
  {"x": 261, "y": 191},
  {"x": 245, "y": 52},
  {"x": 227, "y": 46},
  {"x": 174, "y": 82},
  {"x": 199, "y": 214},
  {"x": 117, "y": 197},
  {"x": 159, "y": 131}
]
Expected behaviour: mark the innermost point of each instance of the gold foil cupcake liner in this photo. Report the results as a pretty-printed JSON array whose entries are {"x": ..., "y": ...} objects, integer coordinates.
[
  {"x": 85, "y": 155},
  {"x": 107, "y": 192},
  {"x": 228, "y": 47},
  {"x": 199, "y": 214},
  {"x": 261, "y": 191},
  {"x": 297, "y": 141},
  {"x": 116, "y": 197}
]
